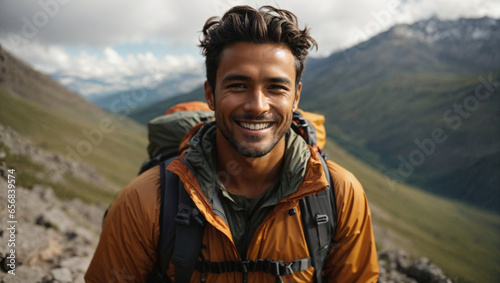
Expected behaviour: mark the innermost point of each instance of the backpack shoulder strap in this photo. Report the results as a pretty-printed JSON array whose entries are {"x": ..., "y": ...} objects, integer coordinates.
[
  {"x": 180, "y": 238},
  {"x": 164, "y": 250},
  {"x": 319, "y": 217},
  {"x": 157, "y": 160},
  {"x": 189, "y": 228}
]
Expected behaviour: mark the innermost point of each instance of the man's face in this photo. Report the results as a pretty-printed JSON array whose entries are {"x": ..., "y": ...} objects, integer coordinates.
[{"x": 255, "y": 96}]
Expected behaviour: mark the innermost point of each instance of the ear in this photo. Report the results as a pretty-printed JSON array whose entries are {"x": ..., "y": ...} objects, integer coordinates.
[
  {"x": 209, "y": 96},
  {"x": 297, "y": 98}
]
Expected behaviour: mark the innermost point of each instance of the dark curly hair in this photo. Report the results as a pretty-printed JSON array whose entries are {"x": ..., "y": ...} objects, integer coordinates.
[{"x": 246, "y": 24}]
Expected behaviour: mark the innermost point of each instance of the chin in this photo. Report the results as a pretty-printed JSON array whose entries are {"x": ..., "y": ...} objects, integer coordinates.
[{"x": 252, "y": 151}]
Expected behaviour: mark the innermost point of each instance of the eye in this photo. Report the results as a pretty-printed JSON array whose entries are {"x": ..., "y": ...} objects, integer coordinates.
[
  {"x": 236, "y": 85},
  {"x": 278, "y": 87}
]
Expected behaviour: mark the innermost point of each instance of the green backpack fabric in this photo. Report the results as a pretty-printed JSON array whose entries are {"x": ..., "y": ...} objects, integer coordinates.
[{"x": 166, "y": 132}]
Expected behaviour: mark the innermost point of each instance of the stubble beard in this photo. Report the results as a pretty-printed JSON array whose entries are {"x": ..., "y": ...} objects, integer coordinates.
[{"x": 246, "y": 149}]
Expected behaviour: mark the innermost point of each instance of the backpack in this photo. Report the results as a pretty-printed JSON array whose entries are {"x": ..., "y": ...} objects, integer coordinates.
[{"x": 182, "y": 225}]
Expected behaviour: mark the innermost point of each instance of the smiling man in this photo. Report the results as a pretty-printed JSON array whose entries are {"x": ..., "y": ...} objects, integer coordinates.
[
  {"x": 253, "y": 230},
  {"x": 254, "y": 97}
]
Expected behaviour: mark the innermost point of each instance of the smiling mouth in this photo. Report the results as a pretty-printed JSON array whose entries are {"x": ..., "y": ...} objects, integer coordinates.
[{"x": 255, "y": 126}]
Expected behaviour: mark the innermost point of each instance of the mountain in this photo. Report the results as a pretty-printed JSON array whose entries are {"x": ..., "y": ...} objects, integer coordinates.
[
  {"x": 421, "y": 103},
  {"x": 74, "y": 130},
  {"x": 146, "y": 113},
  {"x": 150, "y": 92}
]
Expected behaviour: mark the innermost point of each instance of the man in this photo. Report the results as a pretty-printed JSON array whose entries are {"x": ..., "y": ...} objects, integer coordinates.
[{"x": 254, "y": 61}]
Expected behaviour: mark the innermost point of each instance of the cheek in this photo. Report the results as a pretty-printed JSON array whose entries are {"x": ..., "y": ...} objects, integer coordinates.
[
  {"x": 227, "y": 102},
  {"x": 285, "y": 108},
  {"x": 224, "y": 108}
]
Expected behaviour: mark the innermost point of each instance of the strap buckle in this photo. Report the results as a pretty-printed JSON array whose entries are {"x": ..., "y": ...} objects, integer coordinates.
[
  {"x": 184, "y": 215},
  {"x": 321, "y": 219},
  {"x": 288, "y": 267}
]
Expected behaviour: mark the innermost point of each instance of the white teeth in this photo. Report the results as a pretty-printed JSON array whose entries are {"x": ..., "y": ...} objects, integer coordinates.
[{"x": 251, "y": 126}]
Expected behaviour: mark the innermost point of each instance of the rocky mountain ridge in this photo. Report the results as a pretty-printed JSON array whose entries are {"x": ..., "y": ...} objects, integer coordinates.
[
  {"x": 434, "y": 30},
  {"x": 55, "y": 239},
  {"x": 458, "y": 40}
]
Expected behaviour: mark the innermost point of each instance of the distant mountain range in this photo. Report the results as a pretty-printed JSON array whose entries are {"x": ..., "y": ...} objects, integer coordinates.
[
  {"x": 150, "y": 92},
  {"x": 420, "y": 102}
]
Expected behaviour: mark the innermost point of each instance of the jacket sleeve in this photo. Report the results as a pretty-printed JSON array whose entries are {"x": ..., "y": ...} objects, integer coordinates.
[
  {"x": 353, "y": 257},
  {"x": 127, "y": 246}
]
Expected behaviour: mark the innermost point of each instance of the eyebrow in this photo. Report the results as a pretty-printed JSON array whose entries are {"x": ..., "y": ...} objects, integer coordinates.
[
  {"x": 235, "y": 77},
  {"x": 230, "y": 78},
  {"x": 282, "y": 80}
]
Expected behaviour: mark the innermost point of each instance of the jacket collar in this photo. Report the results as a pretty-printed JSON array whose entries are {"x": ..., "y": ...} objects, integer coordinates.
[{"x": 302, "y": 174}]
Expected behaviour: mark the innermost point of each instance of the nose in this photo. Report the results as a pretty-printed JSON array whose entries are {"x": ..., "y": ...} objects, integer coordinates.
[{"x": 256, "y": 102}]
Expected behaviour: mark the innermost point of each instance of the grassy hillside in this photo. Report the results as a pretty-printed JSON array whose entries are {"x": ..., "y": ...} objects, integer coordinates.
[
  {"x": 116, "y": 154},
  {"x": 58, "y": 120},
  {"x": 459, "y": 238},
  {"x": 388, "y": 121}
]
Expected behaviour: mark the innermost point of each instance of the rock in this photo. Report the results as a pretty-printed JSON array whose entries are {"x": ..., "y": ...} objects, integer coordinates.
[
  {"x": 80, "y": 278},
  {"x": 3, "y": 170},
  {"x": 24, "y": 274},
  {"x": 76, "y": 264},
  {"x": 396, "y": 266},
  {"x": 393, "y": 265},
  {"x": 56, "y": 219},
  {"x": 51, "y": 251},
  {"x": 425, "y": 271},
  {"x": 397, "y": 259},
  {"x": 45, "y": 193},
  {"x": 62, "y": 275}
]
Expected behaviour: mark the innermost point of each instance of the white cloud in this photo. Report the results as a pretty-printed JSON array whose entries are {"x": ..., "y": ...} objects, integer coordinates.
[
  {"x": 80, "y": 40},
  {"x": 104, "y": 23},
  {"x": 94, "y": 74},
  {"x": 415, "y": 10},
  {"x": 177, "y": 24}
]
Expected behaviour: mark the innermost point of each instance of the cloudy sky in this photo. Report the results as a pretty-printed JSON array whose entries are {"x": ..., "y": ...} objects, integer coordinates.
[{"x": 99, "y": 47}]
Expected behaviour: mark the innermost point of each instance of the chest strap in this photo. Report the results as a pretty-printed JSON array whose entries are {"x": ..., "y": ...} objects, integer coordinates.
[{"x": 276, "y": 268}]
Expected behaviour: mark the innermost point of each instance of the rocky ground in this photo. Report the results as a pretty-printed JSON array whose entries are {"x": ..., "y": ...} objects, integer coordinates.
[
  {"x": 396, "y": 266},
  {"x": 55, "y": 239}
]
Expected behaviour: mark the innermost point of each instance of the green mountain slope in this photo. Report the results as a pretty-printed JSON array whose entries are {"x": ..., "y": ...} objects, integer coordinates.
[
  {"x": 461, "y": 239},
  {"x": 422, "y": 108},
  {"x": 58, "y": 120}
]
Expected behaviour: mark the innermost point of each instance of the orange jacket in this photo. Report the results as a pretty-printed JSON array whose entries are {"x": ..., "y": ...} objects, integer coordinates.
[{"x": 127, "y": 248}]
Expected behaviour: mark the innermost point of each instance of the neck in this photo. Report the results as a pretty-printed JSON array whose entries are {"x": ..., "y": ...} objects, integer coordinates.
[{"x": 248, "y": 176}]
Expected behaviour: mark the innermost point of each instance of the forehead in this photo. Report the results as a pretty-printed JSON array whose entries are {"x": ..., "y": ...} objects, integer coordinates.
[
  {"x": 244, "y": 49},
  {"x": 259, "y": 59}
]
